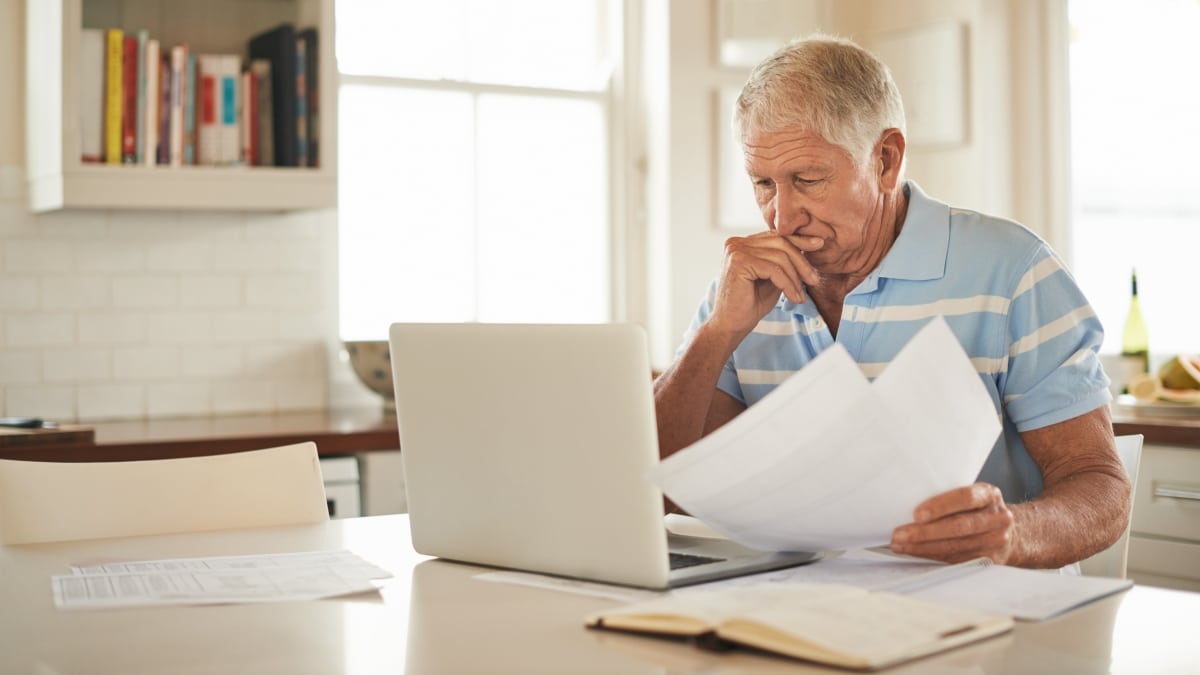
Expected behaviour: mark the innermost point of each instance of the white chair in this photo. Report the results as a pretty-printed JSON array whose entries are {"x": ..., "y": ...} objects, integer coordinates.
[
  {"x": 1111, "y": 562},
  {"x": 62, "y": 501}
]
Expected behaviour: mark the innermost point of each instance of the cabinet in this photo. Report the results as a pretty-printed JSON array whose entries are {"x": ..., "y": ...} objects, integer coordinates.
[
  {"x": 58, "y": 179},
  {"x": 1164, "y": 544}
]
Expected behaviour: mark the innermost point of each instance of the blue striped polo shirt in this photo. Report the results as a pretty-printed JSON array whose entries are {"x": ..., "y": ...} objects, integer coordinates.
[{"x": 1009, "y": 299}]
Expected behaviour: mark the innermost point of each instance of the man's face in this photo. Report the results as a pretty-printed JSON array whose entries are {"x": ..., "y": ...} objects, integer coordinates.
[{"x": 805, "y": 185}]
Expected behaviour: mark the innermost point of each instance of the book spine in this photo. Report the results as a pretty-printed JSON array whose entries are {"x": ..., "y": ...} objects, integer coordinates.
[
  {"x": 189, "y": 111},
  {"x": 263, "y": 112},
  {"x": 139, "y": 122},
  {"x": 113, "y": 101},
  {"x": 178, "y": 59},
  {"x": 247, "y": 101},
  {"x": 129, "y": 66},
  {"x": 150, "y": 114},
  {"x": 312, "y": 68},
  {"x": 92, "y": 98},
  {"x": 279, "y": 46},
  {"x": 301, "y": 104},
  {"x": 206, "y": 144},
  {"x": 164, "y": 107},
  {"x": 230, "y": 142}
]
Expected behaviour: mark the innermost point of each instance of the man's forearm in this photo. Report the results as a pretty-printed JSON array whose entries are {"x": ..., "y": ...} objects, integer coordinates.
[
  {"x": 683, "y": 394},
  {"x": 1071, "y": 521}
]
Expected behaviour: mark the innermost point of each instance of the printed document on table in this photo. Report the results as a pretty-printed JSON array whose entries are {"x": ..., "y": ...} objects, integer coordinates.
[
  {"x": 216, "y": 580},
  {"x": 830, "y": 461}
]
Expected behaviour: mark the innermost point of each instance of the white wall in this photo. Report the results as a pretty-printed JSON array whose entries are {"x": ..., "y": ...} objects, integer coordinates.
[{"x": 127, "y": 314}]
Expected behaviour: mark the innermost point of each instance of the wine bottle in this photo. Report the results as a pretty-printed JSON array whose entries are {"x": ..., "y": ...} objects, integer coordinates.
[{"x": 1135, "y": 342}]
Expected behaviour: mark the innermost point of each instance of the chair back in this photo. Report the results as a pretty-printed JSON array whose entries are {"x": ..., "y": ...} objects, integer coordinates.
[
  {"x": 63, "y": 501},
  {"x": 1111, "y": 562}
]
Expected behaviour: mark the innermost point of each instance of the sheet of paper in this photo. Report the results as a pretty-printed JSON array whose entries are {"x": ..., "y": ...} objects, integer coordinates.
[
  {"x": 1031, "y": 595},
  {"x": 830, "y": 461},
  {"x": 217, "y": 580}
]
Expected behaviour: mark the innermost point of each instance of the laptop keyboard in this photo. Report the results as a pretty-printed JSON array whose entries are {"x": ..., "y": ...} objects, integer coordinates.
[{"x": 682, "y": 560}]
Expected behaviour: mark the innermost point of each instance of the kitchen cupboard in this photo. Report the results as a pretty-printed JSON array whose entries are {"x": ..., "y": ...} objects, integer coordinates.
[
  {"x": 1164, "y": 544},
  {"x": 59, "y": 179}
]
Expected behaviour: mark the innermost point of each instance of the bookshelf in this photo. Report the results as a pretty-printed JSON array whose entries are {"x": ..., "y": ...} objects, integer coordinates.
[{"x": 59, "y": 179}]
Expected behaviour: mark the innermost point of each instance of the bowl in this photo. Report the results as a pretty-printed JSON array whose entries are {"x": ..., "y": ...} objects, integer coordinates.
[{"x": 372, "y": 364}]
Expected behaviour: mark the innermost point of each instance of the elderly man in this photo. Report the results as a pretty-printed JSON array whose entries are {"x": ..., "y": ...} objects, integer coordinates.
[{"x": 856, "y": 254}]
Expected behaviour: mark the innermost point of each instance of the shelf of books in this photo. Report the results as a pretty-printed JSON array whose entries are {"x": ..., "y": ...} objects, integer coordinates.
[{"x": 180, "y": 104}]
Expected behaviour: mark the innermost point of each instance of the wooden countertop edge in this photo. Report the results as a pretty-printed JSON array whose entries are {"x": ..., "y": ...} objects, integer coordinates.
[
  {"x": 347, "y": 432},
  {"x": 328, "y": 444}
]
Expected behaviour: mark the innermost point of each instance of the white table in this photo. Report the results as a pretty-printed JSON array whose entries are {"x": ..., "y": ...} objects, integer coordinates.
[{"x": 435, "y": 617}]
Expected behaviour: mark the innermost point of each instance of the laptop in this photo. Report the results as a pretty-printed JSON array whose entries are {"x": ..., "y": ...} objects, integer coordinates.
[{"x": 526, "y": 446}]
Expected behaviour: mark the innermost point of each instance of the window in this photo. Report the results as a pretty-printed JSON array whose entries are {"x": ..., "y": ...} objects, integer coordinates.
[
  {"x": 1135, "y": 140},
  {"x": 474, "y": 161}
]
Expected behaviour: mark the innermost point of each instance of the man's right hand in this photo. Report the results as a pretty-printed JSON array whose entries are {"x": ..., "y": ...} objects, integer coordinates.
[{"x": 756, "y": 269}]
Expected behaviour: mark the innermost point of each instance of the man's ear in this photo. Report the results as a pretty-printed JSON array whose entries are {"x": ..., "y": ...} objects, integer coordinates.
[{"x": 891, "y": 158}]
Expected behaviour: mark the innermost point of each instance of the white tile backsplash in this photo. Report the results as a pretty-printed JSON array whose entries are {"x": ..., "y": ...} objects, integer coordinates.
[
  {"x": 77, "y": 364},
  {"x": 112, "y": 327},
  {"x": 111, "y": 401},
  {"x": 211, "y": 290},
  {"x": 39, "y": 255},
  {"x": 86, "y": 291},
  {"x": 146, "y": 363},
  {"x": 20, "y": 366},
  {"x": 213, "y": 361},
  {"x": 129, "y": 314},
  {"x": 243, "y": 395},
  {"x": 183, "y": 327},
  {"x": 18, "y": 292},
  {"x": 179, "y": 256},
  {"x": 280, "y": 290},
  {"x": 151, "y": 290},
  {"x": 48, "y": 401},
  {"x": 168, "y": 399},
  {"x": 33, "y": 329},
  {"x": 110, "y": 256}
]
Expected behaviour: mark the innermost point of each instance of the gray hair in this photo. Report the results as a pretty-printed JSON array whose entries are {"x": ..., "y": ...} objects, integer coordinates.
[{"x": 827, "y": 85}]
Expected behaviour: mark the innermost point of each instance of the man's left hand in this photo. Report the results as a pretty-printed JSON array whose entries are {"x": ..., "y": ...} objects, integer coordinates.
[{"x": 962, "y": 524}]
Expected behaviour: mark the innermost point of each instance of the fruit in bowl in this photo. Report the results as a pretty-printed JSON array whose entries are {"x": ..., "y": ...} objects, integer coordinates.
[
  {"x": 1180, "y": 379},
  {"x": 372, "y": 364},
  {"x": 1177, "y": 381}
]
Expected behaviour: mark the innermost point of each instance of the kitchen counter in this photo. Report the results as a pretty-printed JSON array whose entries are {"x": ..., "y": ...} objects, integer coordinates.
[
  {"x": 336, "y": 432},
  {"x": 1163, "y": 430}
]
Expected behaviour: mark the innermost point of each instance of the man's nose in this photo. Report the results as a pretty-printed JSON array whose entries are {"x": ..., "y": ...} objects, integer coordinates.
[{"x": 790, "y": 213}]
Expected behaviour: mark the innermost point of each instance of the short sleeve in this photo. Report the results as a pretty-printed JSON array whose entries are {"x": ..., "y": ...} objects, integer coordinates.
[
  {"x": 1054, "y": 371},
  {"x": 727, "y": 381}
]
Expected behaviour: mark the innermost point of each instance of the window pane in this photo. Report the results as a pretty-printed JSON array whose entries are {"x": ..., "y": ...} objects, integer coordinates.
[
  {"x": 1134, "y": 140},
  {"x": 543, "y": 210},
  {"x": 405, "y": 208},
  {"x": 537, "y": 43}
]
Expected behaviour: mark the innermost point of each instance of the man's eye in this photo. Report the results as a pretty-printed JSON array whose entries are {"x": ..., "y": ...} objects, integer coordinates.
[
  {"x": 805, "y": 182},
  {"x": 762, "y": 182}
]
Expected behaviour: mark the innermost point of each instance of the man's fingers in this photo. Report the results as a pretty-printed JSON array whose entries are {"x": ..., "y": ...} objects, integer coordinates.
[
  {"x": 962, "y": 525},
  {"x": 781, "y": 260},
  {"x": 754, "y": 264},
  {"x": 988, "y": 544},
  {"x": 967, "y": 498}
]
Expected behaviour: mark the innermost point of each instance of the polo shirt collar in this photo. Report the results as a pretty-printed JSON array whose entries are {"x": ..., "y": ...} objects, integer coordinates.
[{"x": 919, "y": 253}]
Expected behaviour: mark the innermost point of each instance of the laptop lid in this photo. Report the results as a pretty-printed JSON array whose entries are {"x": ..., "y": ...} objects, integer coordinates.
[{"x": 527, "y": 446}]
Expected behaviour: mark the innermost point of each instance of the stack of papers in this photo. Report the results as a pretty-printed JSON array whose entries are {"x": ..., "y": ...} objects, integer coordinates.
[
  {"x": 829, "y": 460},
  {"x": 217, "y": 580}
]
